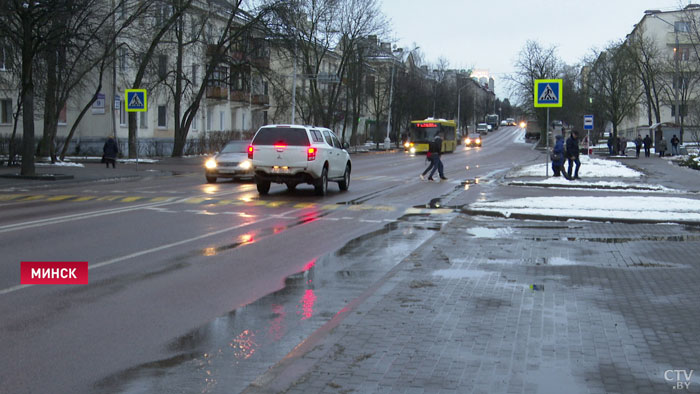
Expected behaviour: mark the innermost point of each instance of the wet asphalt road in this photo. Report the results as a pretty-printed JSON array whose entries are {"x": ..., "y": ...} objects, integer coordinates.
[{"x": 200, "y": 287}]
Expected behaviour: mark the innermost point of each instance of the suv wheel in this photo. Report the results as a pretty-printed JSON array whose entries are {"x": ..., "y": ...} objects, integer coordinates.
[
  {"x": 345, "y": 183},
  {"x": 291, "y": 186},
  {"x": 322, "y": 183},
  {"x": 211, "y": 179},
  {"x": 263, "y": 186}
]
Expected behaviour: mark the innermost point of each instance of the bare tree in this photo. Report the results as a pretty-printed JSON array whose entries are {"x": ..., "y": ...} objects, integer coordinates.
[
  {"x": 533, "y": 62},
  {"x": 613, "y": 83},
  {"x": 649, "y": 70}
]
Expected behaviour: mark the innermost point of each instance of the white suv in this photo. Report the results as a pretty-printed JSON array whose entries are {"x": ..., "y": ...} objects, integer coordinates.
[{"x": 294, "y": 154}]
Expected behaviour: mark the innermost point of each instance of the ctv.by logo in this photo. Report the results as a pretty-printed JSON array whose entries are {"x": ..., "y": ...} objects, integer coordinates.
[{"x": 681, "y": 377}]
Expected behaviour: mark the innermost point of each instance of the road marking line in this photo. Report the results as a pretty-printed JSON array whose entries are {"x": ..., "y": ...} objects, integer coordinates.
[
  {"x": 194, "y": 200},
  {"x": 108, "y": 198},
  {"x": 275, "y": 204},
  {"x": 330, "y": 207},
  {"x": 85, "y": 198},
  {"x": 305, "y": 205},
  {"x": 7, "y": 197},
  {"x": 132, "y": 199},
  {"x": 158, "y": 199},
  {"x": 59, "y": 198},
  {"x": 33, "y": 198}
]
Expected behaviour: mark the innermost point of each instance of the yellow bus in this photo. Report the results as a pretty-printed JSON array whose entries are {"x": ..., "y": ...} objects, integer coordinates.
[{"x": 422, "y": 132}]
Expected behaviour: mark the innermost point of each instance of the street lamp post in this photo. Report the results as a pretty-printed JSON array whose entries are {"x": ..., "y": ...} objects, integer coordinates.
[
  {"x": 459, "y": 102},
  {"x": 387, "y": 140}
]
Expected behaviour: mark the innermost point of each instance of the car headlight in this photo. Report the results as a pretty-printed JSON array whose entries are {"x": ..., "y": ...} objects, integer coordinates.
[
  {"x": 246, "y": 165},
  {"x": 210, "y": 164},
  {"x": 478, "y": 140},
  {"x": 468, "y": 141},
  {"x": 413, "y": 149},
  {"x": 406, "y": 144}
]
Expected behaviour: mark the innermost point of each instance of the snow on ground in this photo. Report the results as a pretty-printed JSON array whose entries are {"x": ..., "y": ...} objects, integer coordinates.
[
  {"x": 561, "y": 182},
  {"x": 591, "y": 167},
  {"x": 632, "y": 207},
  {"x": 59, "y": 164}
]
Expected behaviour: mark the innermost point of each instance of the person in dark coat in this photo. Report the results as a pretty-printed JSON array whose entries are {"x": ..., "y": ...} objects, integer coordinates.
[
  {"x": 647, "y": 146},
  {"x": 558, "y": 156},
  {"x": 674, "y": 145},
  {"x": 110, "y": 151},
  {"x": 638, "y": 144},
  {"x": 611, "y": 145},
  {"x": 435, "y": 152},
  {"x": 572, "y": 153}
]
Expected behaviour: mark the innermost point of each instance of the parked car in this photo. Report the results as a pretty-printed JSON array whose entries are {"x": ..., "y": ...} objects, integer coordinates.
[
  {"x": 231, "y": 162},
  {"x": 473, "y": 140},
  {"x": 482, "y": 128},
  {"x": 294, "y": 154}
]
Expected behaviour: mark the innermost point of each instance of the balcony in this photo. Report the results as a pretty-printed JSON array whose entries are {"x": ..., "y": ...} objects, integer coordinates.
[
  {"x": 261, "y": 62},
  {"x": 217, "y": 92},
  {"x": 239, "y": 95},
  {"x": 261, "y": 99}
]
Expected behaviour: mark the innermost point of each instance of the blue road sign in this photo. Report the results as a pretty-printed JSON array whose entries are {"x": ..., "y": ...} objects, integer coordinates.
[
  {"x": 548, "y": 93},
  {"x": 588, "y": 122},
  {"x": 136, "y": 100}
]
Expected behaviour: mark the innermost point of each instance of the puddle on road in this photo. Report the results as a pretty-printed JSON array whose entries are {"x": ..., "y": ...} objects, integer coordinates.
[
  {"x": 617, "y": 240},
  {"x": 487, "y": 232},
  {"x": 228, "y": 353}
]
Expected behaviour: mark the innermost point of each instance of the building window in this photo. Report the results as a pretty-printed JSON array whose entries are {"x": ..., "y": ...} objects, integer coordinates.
[
  {"x": 221, "y": 120},
  {"x": 210, "y": 114},
  {"x": 123, "y": 115},
  {"x": 683, "y": 108},
  {"x": 5, "y": 111},
  {"x": 63, "y": 115},
  {"x": 4, "y": 53},
  {"x": 144, "y": 120},
  {"x": 162, "y": 118},
  {"x": 682, "y": 53},
  {"x": 123, "y": 59},
  {"x": 162, "y": 66},
  {"x": 681, "y": 27},
  {"x": 218, "y": 77}
]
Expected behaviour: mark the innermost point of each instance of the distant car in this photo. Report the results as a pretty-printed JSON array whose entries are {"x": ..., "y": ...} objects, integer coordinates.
[
  {"x": 231, "y": 162},
  {"x": 473, "y": 140},
  {"x": 511, "y": 122},
  {"x": 483, "y": 128},
  {"x": 504, "y": 123}
]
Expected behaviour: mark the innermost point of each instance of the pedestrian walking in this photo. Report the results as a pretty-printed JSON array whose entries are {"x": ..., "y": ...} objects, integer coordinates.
[
  {"x": 623, "y": 146},
  {"x": 674, "y": 145},
  {"x": 557, "y": 157},
  {"x": 611, "y": 144},
  {"x": 647, "y": 146},
  {"x": 638, "y": 144},
  {"x": 435, "y": 152},
  {"x": 663, "y": 146},
  {"x": 572, "y": 153},
  {"x": 109, "y": 152},
  {"x": 431, "y": 163}
]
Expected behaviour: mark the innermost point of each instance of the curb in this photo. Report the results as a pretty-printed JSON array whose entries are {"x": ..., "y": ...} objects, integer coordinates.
[{"x": 526, "y": 216}]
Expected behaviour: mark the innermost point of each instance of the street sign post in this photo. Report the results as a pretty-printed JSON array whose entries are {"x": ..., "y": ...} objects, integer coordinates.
[
  {"x": 136, "y": 100},
  {"x": 588, "y": 126},
  {"x": 548, "y": 94}
]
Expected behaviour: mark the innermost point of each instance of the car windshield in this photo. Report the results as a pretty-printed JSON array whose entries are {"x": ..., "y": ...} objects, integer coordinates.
[
  {"x": 281, "y": 135},
  {"x": 236, "y": 147}
]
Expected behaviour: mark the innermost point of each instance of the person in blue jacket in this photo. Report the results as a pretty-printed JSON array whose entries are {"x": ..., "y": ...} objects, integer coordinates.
[{"x": 558, "y": 156}]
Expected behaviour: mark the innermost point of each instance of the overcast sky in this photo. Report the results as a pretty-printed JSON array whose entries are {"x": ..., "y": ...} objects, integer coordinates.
[{"x": 488, "y": 34}]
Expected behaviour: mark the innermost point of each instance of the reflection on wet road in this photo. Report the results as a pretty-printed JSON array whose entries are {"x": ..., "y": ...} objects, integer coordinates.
[{"x": 228, "y": 353}]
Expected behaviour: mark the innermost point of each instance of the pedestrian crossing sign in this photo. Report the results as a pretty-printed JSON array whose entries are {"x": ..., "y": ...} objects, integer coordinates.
[
  {"x": 136, "y": 100},
  {"x": 548, "y": 93}
]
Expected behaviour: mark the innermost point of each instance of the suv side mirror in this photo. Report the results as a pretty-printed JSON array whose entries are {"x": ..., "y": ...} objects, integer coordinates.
[{"x": 346, "y": 145}]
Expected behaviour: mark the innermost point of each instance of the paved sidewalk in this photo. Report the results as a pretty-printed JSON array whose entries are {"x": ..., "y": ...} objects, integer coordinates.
[
  {"x": 508, "y": 306},
  {"x": 94, "y": 171}
]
